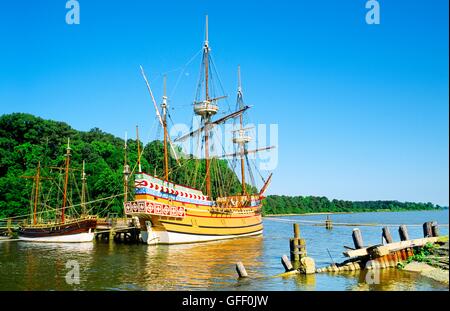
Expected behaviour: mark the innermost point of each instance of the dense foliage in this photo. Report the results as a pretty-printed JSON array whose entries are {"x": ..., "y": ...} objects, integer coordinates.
[
  {"x": 26, "y": 140},
  {"x": 276, "y": 204}
]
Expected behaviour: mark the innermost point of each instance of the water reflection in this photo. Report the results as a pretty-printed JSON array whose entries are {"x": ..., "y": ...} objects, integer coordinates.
[
  {"x": 306, "y": 282},
  {"x": 111, "y": 266},
  {"x": 43, "y": 265},
  {"x": 201, "y": 266}
]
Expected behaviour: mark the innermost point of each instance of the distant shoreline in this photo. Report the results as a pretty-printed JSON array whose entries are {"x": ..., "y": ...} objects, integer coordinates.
[
  {"x": 310, "y": 214},
  {"x": 336, "y": 213}
]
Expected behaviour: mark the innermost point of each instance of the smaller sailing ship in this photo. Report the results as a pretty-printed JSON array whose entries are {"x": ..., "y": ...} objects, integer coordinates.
[{"x": 63, "y": 228}]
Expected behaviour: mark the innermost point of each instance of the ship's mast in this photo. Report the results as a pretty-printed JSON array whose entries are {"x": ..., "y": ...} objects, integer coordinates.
[
  {"x": 66, "y": 180},
  {"x": 207, "y": 117},
  {"x": 206, "y": 59},
  {"x": 36, "y": 193},
  {"x": 164, "y": 111},
  {"x": 206, "y": 109},
  {"x": 241, "y": 146},
  {"x": 126, "y": 171},
  {"x": 139, "y": 149},
  {"x": 83, "y": 191}
]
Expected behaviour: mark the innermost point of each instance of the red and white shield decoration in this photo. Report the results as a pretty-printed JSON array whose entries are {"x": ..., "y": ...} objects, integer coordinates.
[{"x": 153, "y": 208}]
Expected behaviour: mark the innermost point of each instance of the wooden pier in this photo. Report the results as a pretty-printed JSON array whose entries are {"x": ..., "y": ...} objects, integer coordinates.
[{"x": 118, "y": 230}]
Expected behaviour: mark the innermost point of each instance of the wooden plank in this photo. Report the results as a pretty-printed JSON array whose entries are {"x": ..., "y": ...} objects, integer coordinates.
[
  {"x": 393, "y": 246},
  {"x": 286, "y": 263}
]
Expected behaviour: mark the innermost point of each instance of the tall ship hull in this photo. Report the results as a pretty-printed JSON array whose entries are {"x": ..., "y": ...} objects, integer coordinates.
[
  {"x": 172, "y": 214},
  {"x": 80, "y": 230}
]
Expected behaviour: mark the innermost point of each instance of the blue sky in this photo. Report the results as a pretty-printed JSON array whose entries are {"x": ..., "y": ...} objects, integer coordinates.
[{"x": 362, "y": 109}]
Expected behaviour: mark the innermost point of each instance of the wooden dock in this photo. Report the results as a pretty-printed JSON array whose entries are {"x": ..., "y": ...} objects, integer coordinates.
[{"x": 118, "y": 230}]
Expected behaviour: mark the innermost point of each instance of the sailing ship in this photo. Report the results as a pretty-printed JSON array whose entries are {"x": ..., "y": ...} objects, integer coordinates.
[
  {"x": 171, "y": 213},
  {"x": 64, "y": 228}
]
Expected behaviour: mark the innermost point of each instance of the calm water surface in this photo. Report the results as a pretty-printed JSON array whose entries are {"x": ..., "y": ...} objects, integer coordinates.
[{"x": 110, "y": 266}]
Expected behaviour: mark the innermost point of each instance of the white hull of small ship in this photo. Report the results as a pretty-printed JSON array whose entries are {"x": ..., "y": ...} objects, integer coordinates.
[{"x": 71, "y": 238}]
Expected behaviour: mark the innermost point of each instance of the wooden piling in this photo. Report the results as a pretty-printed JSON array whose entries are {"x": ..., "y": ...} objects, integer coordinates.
[
  {"x": 296, "y": 231},
  {"x": 286, "y": 263},
  {"x": 297, "y": 248},
  {"x": 427, "y": 229},
  {"x": 387, "y": 235},
  {"x": 403, "y": 232},
  {"x": 302, "y": 248},
  {"x": 296, "y": 252},
  {"x": 328, "y": 223},
  {"x": 435, "y": 229},
  {"x": 240, "y": 269},
  {"x": 357, "y": 238}
]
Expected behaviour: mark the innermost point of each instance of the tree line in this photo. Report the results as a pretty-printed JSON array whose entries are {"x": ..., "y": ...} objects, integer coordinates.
[
  {"x": 281, "y": 204},
  {"x": 26, "y": 140}
]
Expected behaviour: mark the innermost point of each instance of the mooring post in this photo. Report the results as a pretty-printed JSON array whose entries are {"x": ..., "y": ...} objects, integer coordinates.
[
  {"x": 435, "y": 229},
  {"x": 296, "y": 231},
  {"x": 294, "y": 245},
  {"x": 357, "y": 238},
  {"x": 403, "y": 232},
  {"x": 387, "y": 235},
  {"x": 328, "y": 223},
  {"x": 427, "y": 229},
  {"x": 240, "y": 269},
  {"x": 286, "y": 263}
]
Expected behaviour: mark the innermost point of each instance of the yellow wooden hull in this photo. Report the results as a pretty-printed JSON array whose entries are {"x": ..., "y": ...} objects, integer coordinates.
[
  {"x": 198, "y": 223},
  {"x": 170, "y": 213}
]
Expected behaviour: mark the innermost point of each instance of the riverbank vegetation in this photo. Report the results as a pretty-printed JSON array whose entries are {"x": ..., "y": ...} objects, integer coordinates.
[
  {"x": 26, "y": 140},
  {"x": 280, "y": 204}
]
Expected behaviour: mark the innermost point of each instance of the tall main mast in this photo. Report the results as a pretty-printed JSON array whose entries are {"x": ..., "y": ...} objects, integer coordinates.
[
  {"x": 166, "y": 153},
  {"x": 206, "y": 109},
  {"x": 126, "y": 170},
  {"x": 66, "y": 180},
  {"x": 241, "y": 126},
  {"x": 83, "y": 191},
  {"x": 36, "y": 194}
]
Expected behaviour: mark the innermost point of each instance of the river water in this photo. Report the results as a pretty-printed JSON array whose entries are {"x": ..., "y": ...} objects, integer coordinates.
[{"x": 211, "y": 266}]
